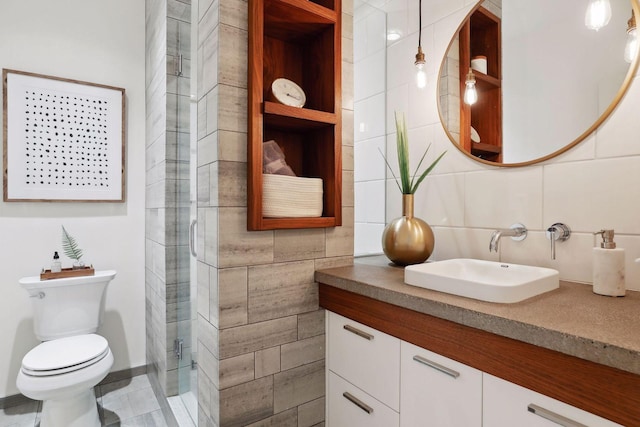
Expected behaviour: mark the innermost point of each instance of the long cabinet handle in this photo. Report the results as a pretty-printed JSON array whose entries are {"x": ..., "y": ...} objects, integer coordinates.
[
  {"x": 553, "y": 417},
  {"x": 358, "y": 332},
  {"x": 436, "y": 366},
  {"x": 359, "y": 403}
]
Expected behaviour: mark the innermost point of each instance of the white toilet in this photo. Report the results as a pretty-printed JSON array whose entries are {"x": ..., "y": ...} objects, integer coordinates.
[{"x": 72, "y": 359}]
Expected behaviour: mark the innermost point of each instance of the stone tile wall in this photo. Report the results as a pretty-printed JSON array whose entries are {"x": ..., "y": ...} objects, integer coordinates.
[{"x": 260, "y": 331}]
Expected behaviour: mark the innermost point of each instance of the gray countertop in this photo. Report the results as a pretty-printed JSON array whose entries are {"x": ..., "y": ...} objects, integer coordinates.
[{"x": 572, "y": 319}]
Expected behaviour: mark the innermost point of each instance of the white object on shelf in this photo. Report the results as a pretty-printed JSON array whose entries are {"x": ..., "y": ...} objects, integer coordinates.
[
  {"x": 291, "y": 197},
  {"x": 288, "y": 93},
  {"x": 479, "y": 63},
  {"x": 475, "y": 137}
]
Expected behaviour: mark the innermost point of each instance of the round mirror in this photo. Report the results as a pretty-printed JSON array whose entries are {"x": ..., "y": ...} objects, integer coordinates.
[{"x": 543, "y": 74}]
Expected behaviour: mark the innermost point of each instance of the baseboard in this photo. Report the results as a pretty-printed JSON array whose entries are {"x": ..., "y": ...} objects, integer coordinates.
[
  {"x": 14, "y": 400},
  {"x": 124, "y": 374}
]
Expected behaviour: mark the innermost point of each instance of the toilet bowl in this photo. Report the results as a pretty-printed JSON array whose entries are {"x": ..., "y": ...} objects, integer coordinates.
[
  {"x": 62, "y": 373},
  {"x": 63, "y": 370}
]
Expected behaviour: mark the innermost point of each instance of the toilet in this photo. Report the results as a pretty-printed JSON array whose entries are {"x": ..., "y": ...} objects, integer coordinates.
[{"x": 72, "y": 359}]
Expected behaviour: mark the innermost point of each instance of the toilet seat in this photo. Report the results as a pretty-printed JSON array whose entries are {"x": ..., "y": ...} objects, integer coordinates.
[{"x": 65, "y": 355}]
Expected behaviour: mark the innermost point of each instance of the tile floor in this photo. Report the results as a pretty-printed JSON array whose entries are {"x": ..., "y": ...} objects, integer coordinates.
[{"x": 129, "y": 402}]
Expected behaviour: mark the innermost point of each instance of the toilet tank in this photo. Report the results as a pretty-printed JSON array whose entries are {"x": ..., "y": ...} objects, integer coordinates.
[{"x": 68, "y": 306}]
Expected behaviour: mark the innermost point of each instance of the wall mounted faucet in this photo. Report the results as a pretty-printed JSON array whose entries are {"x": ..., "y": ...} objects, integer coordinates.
[
  {"x": 559, "y": 232},
  {"x": 517, "y": 232}
]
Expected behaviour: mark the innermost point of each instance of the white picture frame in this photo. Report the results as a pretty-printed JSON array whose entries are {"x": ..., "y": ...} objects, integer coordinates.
[{"x": 64, "y": 139}]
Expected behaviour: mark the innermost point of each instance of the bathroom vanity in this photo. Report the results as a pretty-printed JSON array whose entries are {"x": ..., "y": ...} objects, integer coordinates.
[{"x": 398, "y": 354}]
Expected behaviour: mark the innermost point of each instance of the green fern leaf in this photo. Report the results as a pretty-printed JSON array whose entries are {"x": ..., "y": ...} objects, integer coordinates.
[{"x": 70, "y": 246}]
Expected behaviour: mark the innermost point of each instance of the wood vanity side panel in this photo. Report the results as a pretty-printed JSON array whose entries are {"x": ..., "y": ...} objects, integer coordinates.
[{"x": 608, "y": 392}]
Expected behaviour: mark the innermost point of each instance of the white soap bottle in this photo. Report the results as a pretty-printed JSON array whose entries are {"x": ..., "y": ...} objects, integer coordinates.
[
  {"x": 56, "y": 266},
  {"x": 608, "y": 267}
]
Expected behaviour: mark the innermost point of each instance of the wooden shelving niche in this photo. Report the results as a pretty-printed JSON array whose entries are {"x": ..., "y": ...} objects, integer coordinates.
[
  {"x": 299, "y": 40},
  {"x": 481, "y": 35}
]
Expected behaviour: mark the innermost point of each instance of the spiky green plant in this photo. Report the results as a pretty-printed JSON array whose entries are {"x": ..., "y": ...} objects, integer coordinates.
[
  {"x": 70, "y": 246},
  {"x": 408, "y": 183}
]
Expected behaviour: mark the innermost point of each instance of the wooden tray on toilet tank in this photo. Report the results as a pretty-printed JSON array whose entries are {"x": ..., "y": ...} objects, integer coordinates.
[{"x": 67, "y": 272}]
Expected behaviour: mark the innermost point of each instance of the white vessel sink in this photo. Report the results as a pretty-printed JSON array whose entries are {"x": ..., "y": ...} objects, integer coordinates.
[{"x": 483, "y": 280}]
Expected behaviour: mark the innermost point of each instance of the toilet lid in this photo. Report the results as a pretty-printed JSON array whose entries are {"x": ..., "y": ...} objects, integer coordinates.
[{"x": 65, "y": 355}]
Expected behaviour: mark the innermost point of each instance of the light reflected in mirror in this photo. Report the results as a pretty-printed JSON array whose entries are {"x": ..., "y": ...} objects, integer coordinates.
[{"x": 549, "y": 80}]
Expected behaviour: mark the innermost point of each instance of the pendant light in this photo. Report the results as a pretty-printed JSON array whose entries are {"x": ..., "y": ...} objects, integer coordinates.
[
  {"x": 631, "y": 47},
  {"x": 598, "y": 14},
  {"x": 470, "y": 92},
  {"x": 421, "y": 72}
]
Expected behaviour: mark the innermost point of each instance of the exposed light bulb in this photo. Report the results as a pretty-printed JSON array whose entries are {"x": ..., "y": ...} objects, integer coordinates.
[
  {"x": 421, "y": 76},
  {"x": 631, "y": 47},
  {"x": 421, "y": 73},
  {"x": 598, "y": 14},
  {"x": 470, "y": 92}
]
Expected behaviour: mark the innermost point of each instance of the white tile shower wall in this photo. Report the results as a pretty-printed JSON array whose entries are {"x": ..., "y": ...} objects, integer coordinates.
[
  {"x": 593, "y": 186},
  {"x": 369, "y": 114},
  {"x": 369, "y": 127},
  {"x": 370, "y": 75}
]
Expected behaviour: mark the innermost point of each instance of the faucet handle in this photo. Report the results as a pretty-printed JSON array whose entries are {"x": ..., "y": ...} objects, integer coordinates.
[{"x": 559, "y": 232}]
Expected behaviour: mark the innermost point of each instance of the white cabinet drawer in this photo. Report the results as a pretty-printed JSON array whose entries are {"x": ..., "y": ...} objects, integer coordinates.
[
  {"x": 366, "y": 357},
  {"x": 507, "y": 405},
  {"x": 438, "y": 391},
  {"x": 351, "y": 407}
]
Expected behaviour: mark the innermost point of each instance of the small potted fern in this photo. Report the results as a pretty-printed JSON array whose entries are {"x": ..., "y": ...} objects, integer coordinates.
[
  {"x": 408, "y": 240},
  {"x": 71, "y": 249}
]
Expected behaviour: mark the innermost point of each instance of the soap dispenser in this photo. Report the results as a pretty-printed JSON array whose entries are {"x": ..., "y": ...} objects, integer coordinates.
[
  {"x": 56, "y": 266},
  {"x": 608, "y": 267}
]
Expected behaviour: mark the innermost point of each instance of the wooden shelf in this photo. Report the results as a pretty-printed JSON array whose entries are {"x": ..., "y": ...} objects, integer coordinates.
[
  {"x": 482, "y": 149},
  {"x": 293, "y": 118},
  {"x": 486, "y": 82},
  {"x": 67, "y": 272},
  {"x": 299, "y": 40},
  {"x": 281, "y": 223},
  {"x": 480, "y": 35},
  {"x": 295, "y": 18}
]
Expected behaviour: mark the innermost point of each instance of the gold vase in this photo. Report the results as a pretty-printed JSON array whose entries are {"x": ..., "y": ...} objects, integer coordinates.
[{"x": 407, "y": 240}]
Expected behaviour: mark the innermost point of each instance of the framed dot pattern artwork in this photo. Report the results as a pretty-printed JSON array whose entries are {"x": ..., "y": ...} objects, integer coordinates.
[{"x": 63, "y": 139}]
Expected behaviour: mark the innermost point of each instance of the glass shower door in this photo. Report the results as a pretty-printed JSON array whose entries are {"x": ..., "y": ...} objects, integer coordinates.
[{"x": 186, "y": 174}]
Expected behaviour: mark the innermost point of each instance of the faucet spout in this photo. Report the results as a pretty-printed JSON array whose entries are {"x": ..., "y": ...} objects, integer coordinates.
[
  {"x": 495, "y": 240},
  {"x": 516, "y": 232}
]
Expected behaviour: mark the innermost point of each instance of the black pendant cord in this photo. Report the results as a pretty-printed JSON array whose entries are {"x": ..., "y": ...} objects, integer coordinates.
[{"x": 419, "y": 23}]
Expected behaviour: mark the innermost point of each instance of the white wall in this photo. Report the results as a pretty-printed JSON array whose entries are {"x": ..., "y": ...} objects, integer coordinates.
[
  {"x": 593, "y": 186},
  {"x": 102, "y": 42}
]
